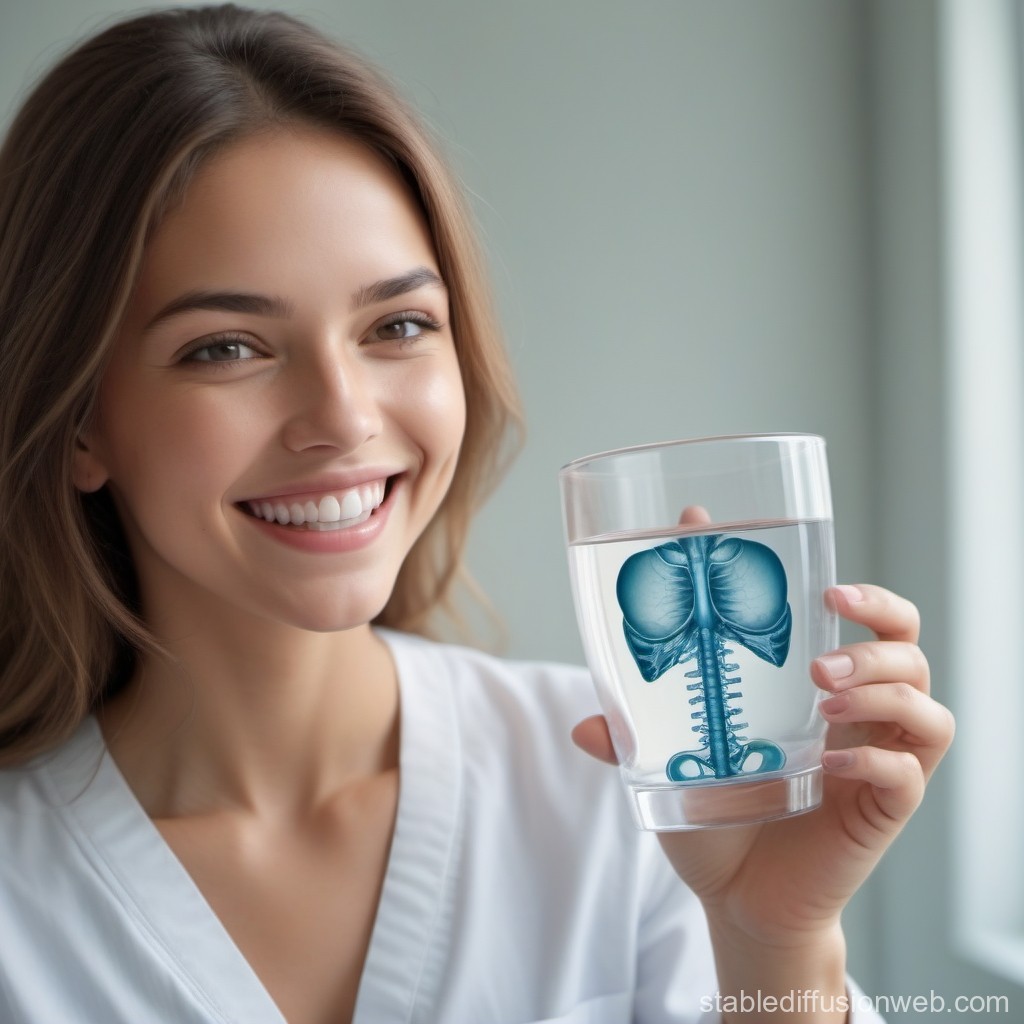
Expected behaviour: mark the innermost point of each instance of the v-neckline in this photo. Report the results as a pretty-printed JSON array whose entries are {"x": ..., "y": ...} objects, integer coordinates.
[{"x": 142, "y": 872}]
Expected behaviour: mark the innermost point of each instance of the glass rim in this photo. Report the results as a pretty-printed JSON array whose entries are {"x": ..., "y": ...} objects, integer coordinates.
[{"x": 650, "y": 445}]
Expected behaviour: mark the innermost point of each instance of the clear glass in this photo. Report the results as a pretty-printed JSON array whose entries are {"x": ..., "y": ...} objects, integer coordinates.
[{"x": 698, "y": 572}]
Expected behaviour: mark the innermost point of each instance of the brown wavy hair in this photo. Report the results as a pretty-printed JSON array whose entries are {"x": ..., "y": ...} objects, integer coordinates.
[{"x": 105, "y": 144}]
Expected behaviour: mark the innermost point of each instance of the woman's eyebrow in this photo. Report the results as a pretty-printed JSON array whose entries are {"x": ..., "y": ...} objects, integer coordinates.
[
  {"x": 381, "y": 291},
  {"x": 230, "y": 302},
  {"x": 272, "y": 305}
]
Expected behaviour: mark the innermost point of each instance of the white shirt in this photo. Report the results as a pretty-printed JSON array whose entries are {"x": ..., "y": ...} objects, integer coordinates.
[{"x": 517, "y": 888}]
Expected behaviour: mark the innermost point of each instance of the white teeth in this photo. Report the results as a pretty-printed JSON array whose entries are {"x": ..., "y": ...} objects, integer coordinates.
[
  {"x": 330, "y": 510},
  {"x": 341, "y": 524},
  {"x": 333, "y": 512},
  {"x": 351, "y": 505}
]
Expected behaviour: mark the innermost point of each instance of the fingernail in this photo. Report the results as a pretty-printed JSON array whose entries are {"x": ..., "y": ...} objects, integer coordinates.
[
  {"x": 851, "y": 593},
  {"x": 838, "y": 666},
  {"x": 835, "y": 705},
  {"x": 836, "y": 760}
]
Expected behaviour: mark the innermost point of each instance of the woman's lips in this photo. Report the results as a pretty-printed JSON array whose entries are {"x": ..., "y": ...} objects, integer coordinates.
[
  {"x": 329, "y": 535},
  {"x": 324, "y": 512}
]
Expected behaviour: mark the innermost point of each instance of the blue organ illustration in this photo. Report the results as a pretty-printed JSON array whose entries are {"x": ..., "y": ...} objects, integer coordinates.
[{"x": 685, "y": 600}]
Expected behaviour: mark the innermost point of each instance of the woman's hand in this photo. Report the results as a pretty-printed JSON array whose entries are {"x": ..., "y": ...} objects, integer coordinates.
[{"x": 781, "y": 885}]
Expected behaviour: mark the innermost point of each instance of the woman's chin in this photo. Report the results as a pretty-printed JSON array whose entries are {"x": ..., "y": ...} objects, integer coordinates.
[{"x": 336, "y": 616}]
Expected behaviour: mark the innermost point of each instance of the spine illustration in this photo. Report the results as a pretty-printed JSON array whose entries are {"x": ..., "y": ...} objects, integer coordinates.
[{"x": 684, "y": 601}]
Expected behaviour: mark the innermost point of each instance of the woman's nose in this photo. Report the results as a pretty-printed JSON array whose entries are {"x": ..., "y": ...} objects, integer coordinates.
[{"x": 333, "y": 402}]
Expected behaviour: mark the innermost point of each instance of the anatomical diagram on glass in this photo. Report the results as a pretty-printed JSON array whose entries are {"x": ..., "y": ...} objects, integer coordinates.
[
  {"x": 684, "y": 603},
  {"x": 703, "y": 642}
]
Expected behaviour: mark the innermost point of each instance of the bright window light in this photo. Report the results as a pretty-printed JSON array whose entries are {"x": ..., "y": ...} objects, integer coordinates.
[{"x": 984, "y": 178}]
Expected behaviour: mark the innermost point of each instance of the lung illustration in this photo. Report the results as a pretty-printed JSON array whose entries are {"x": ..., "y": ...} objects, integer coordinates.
[{"x": 685, "y": 601}]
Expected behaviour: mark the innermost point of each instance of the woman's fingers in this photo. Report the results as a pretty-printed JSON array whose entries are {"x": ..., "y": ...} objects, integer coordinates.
[
  {"x": 897, "y": 778},
  {"x": 694, "y": 515},
  {"x": 884, "y": 683},
  {"x": 592, "y": 736},
  {"x": 920, "y": 733},
  {"x": 922, "y": 721},
  {"x": 925, "y": 727},
  {"x": 874, "y": 661},
  {"x": 888, "y": 615}
]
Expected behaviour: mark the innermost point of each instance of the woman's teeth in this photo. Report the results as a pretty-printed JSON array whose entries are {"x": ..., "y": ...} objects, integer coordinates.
[{"x": 331, "y": 512}]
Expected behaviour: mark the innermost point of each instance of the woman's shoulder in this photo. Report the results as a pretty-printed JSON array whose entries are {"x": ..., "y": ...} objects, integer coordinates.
[
  {"x": 42, "y": 803},
  {"x": 44, "y": 790}
]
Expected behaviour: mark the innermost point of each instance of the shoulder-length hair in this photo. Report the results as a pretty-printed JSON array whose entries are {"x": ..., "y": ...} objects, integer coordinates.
[{"x": 105, "y": 144}]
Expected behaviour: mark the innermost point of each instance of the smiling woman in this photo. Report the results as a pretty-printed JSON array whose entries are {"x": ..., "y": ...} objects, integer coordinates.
[
  {"x": 77, "y": 629},
  {"x": 250, "y": 395},
  {"x": 344, "y": 384}
]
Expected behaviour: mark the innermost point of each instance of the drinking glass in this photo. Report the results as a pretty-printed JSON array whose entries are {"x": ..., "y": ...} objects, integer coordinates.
[{"x": 698, "y": 573}]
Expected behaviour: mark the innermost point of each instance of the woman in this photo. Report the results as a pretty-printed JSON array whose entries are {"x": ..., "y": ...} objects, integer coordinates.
[{"x": 252, "y": 394}]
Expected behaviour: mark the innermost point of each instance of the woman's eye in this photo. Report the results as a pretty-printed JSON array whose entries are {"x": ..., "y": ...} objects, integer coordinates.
[
  {"x": 405, "y": 328},
  {"x": 223, "y": 352}
]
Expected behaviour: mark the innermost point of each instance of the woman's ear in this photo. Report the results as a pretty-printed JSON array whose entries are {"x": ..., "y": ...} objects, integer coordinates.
[{"x": 88, "y": 473}]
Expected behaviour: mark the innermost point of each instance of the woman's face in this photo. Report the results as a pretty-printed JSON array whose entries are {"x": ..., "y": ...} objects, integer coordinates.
[{"x": 283, "y": 411}]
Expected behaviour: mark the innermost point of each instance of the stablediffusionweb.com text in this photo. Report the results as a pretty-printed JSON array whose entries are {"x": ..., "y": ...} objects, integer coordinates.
[{"x": 809, "y": 1000}]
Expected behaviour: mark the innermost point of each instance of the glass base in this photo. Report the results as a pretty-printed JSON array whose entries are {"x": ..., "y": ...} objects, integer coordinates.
[{"x": 675, "y": 808}]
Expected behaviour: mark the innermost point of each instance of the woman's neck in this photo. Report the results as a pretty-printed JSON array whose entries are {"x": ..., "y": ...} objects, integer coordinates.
[{"x": 256, "y": 718}]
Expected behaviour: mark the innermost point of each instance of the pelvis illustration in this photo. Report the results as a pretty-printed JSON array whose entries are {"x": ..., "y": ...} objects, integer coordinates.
[{"x": 685, "y": 600}]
